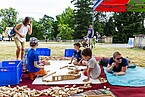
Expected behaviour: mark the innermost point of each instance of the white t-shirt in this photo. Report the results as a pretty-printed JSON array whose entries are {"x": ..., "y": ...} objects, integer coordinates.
[
  {"x": 23, "y": 30},
  {"x": 96, "y": 70}
]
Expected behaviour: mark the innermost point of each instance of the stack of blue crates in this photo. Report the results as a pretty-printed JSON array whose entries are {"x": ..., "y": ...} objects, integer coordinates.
[
  {"x": 10, "y": 72},
  {"x": 68, "y": 52},
  {"x": 43, "y": 51}
]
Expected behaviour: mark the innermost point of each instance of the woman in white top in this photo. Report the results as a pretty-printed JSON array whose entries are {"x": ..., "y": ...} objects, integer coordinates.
[{"x": 21, "y": 31}]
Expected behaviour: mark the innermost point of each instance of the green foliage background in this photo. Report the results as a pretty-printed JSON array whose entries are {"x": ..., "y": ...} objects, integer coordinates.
[{"x": 74, "y": 23}]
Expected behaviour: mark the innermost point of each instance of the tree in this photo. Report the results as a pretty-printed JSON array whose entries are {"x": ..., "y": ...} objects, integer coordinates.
[
  {"x": 99, "y": 22},
  {"x": 109, "y": 28},
  {"x": 47, "y": 22},
  {"x": 65, "y": 31},
  {"x": 127, "y": 24},
  {"x": 83, "y": 17},
  {"x": 66, "y": 24},
  {"x": 55, "y": 29},
  {"x": 38, "y": 30},
  {"x": 9, "y": 17},
  {"x": 123, "y": 26}
]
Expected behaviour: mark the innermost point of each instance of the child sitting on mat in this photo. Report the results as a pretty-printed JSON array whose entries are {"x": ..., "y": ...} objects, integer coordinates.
[
  {"x": 77, "y": 55},
  {"x": 34, "y": 67},
  {"x": 93, "y": 69}
]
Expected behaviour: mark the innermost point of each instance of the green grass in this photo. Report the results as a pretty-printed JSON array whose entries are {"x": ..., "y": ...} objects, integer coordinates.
[{"x": 136, "y": 55}]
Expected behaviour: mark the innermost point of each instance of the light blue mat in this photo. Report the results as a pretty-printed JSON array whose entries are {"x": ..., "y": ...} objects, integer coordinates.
[{"x": 133, "y": 77}]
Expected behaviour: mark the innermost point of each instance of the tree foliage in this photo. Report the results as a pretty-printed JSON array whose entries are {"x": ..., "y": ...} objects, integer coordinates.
[
  {"x": 9, "y": 18},
  {"x": 47, "y": 22},
  {"x": 55, "y": 31},
  {"x": 65, "y": 24},
  {"x": 65, "y": 31},
  {"x": 73, "y": 24},
  {"x": 38, "y": 30},
  {"x": 99, "y": 22},
  {"x": 124, "y": 25},
  {"x": 83, "y": 17}
]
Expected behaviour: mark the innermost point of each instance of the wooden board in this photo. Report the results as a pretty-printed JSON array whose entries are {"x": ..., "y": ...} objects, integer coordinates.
[{"x": 55, "y": 67}]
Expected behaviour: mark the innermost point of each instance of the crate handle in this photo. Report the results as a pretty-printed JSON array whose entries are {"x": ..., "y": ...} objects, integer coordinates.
[{"x": 12, "y": 62}]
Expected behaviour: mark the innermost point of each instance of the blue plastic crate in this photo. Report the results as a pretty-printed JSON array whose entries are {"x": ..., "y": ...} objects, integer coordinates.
[
  {"x": 43, "y": 51},
  {"x": 68, "y": 52},
  {"x": 10, "y": 72}
]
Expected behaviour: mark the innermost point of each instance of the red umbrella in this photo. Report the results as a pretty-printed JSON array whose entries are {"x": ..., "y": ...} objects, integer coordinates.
[{"x": 119, "y": 5}]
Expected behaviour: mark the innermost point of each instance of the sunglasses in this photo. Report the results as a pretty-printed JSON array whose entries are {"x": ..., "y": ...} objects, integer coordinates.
[{"x": 118, "y": 58}]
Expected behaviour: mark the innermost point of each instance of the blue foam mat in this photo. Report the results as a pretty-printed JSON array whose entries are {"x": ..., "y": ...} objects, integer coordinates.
[{"x": 133, "y": 77}]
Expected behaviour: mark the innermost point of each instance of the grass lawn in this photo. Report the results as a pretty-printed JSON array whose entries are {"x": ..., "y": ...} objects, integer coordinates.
[{"x": 136, "y": 55}]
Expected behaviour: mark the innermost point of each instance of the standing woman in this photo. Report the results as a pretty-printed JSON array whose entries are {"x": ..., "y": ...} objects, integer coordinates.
[
  {"x": 90, "y": 35},
  {"x": 21, "y": 31}
]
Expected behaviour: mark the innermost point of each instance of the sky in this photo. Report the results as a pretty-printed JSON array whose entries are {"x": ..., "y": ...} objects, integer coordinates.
[{"x": 37, "y": 8}]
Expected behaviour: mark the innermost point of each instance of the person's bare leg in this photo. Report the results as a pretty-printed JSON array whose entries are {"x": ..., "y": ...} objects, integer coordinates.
[
  {"x": 18, "y": 48},
  {"x": 22, "y": 53},
  {"x": 22, "y": 50},
  {"x": 89, "y": 42},
  {"x": 17, "y": 53}
]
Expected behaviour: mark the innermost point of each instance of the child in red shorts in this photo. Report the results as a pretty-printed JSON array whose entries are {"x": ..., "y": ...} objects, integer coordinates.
[{"x": 34, "y": 67}]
